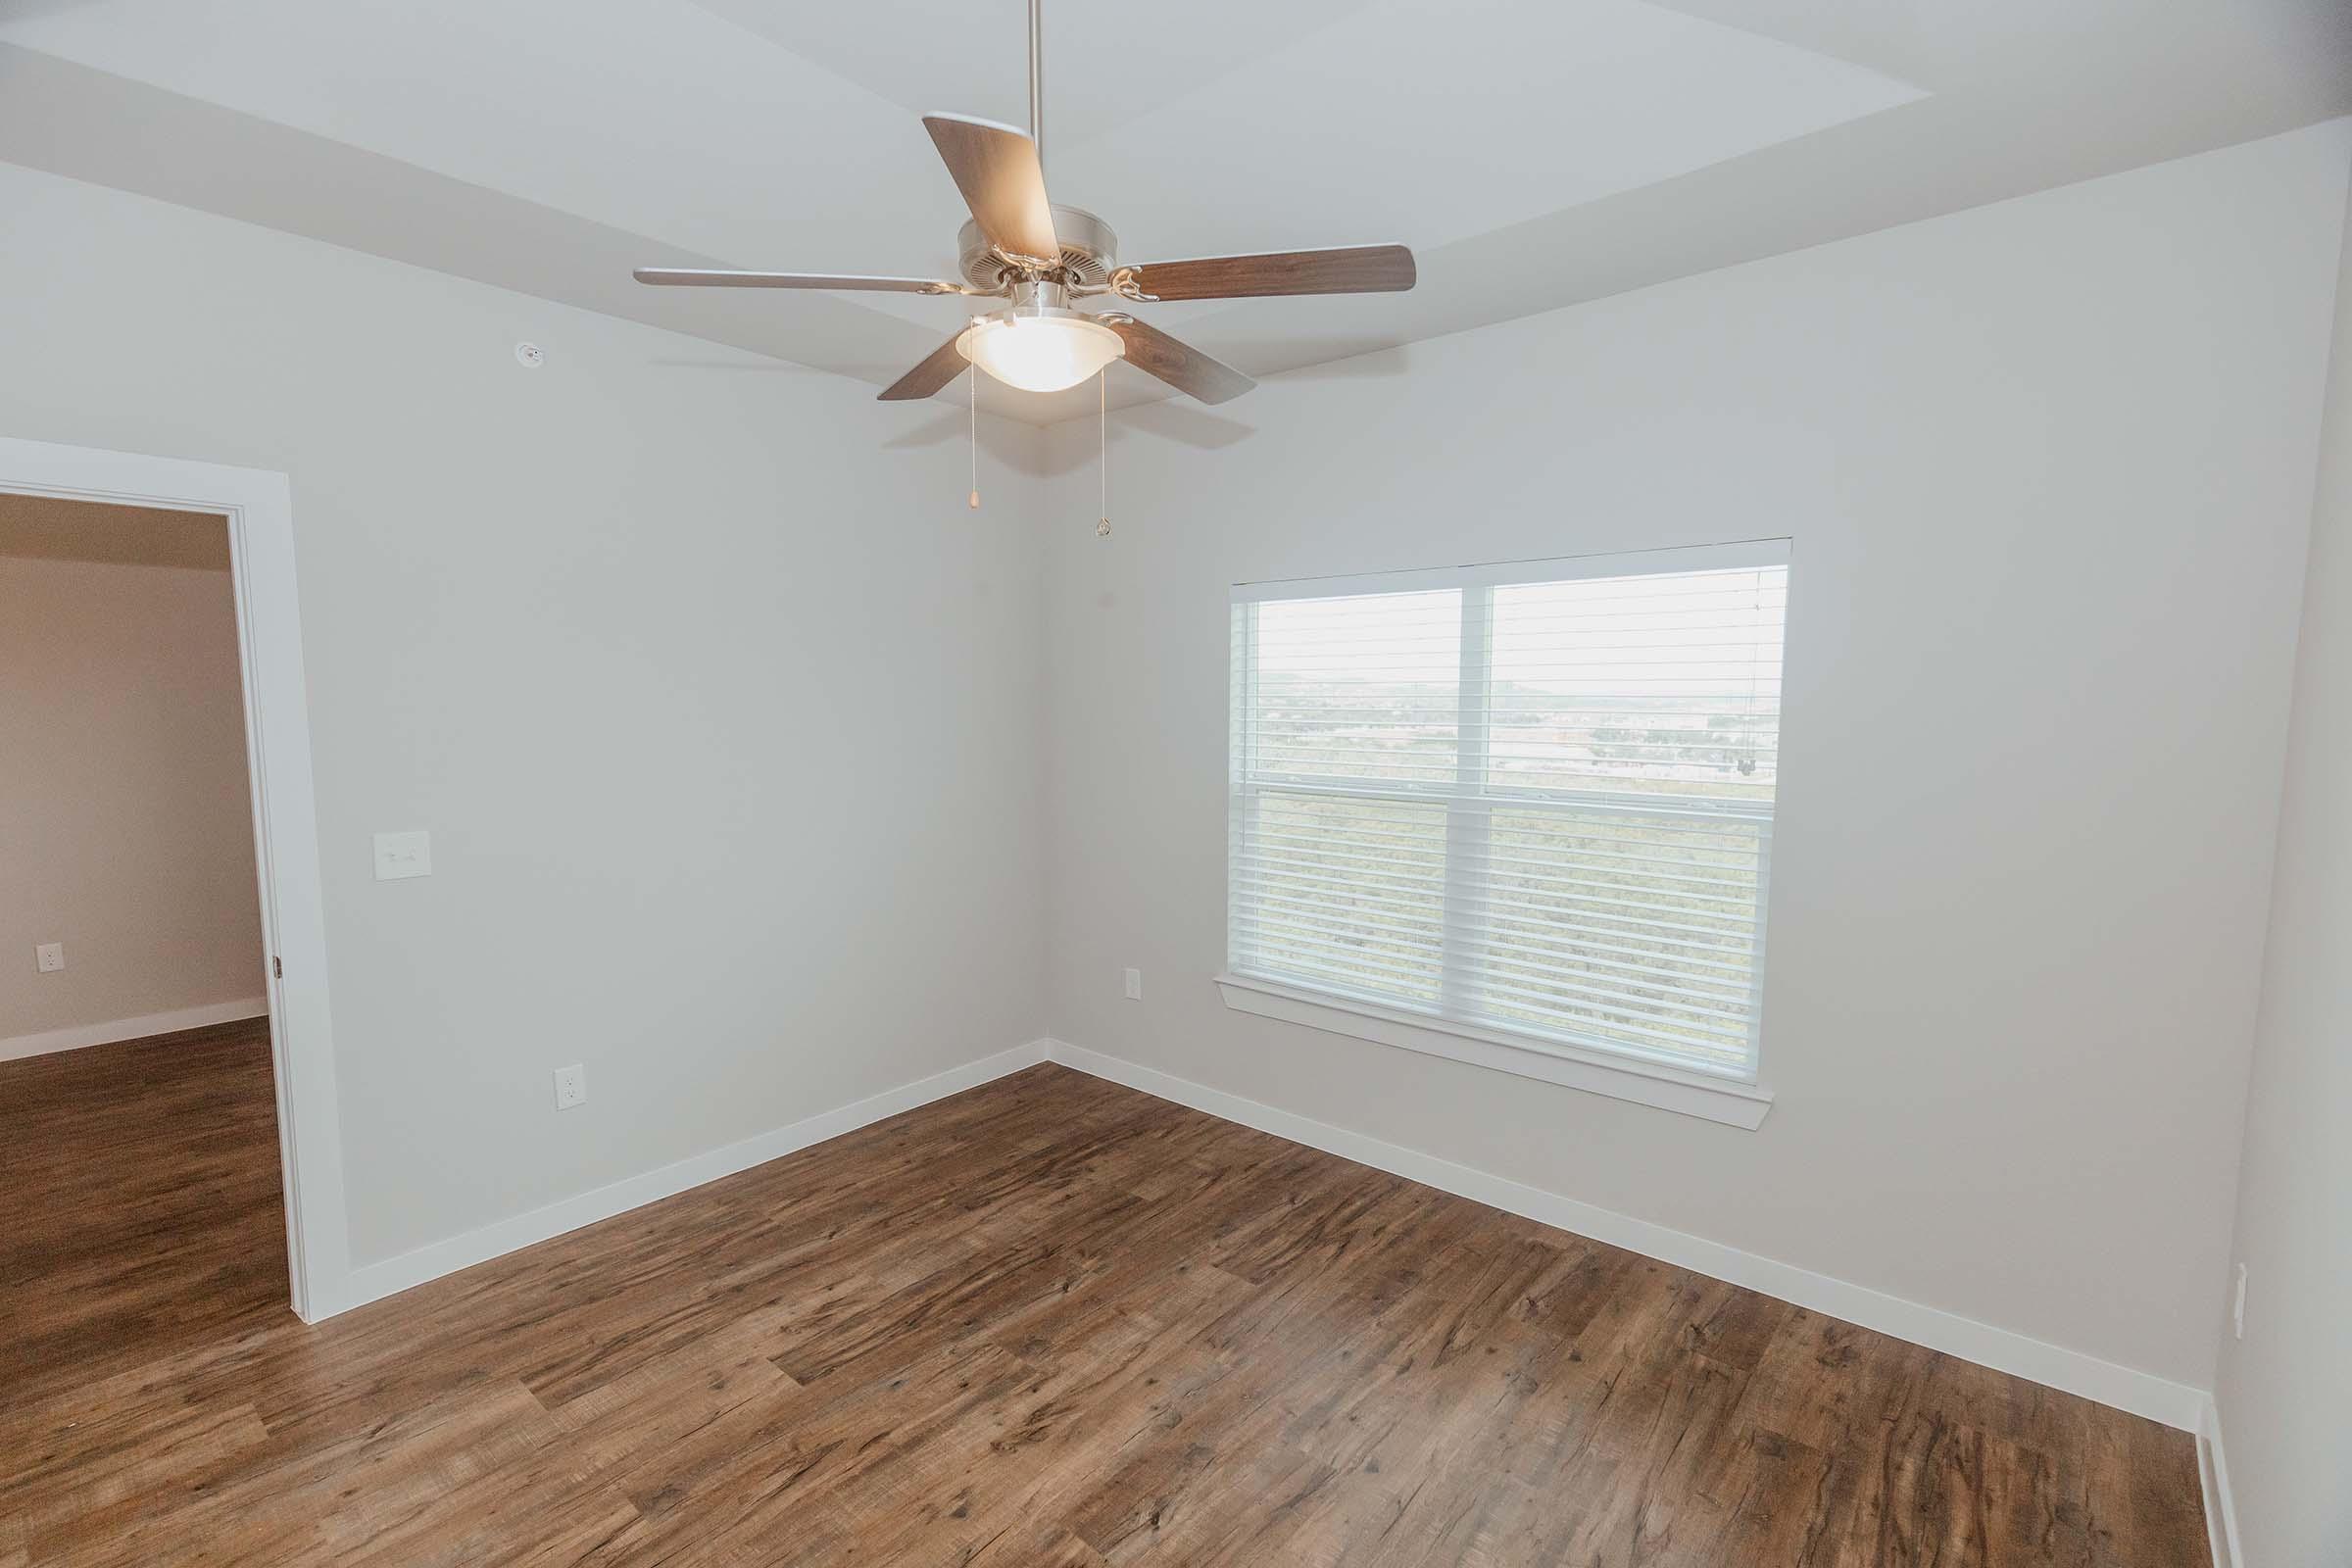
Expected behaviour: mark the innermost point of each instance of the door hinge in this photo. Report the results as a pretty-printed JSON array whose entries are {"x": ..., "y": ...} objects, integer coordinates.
[{"x": 277, "y": 967}]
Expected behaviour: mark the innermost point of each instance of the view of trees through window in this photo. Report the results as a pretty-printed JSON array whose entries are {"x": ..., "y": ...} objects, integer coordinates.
[{"x": 1542, "y": 807}]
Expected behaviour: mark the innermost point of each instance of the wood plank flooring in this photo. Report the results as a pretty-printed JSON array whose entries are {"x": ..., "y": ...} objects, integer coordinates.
[
  {"x": 141, "y": 1206},
  {"x": 1049, "y": 1323}
]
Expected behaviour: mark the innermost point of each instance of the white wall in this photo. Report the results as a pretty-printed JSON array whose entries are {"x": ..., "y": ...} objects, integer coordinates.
[
  {"x": 721, "y": 707},
  {"x": 2284, "y": 1389},
  {"x": 125, "y": 825},
  {"x": 2047, "y": 466}
]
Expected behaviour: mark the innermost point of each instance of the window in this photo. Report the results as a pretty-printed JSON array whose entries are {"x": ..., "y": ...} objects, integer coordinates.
[{"x": 1531, "y": 800}]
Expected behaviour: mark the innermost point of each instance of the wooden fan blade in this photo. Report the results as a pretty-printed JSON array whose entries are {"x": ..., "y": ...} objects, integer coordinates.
[
  {"x": 1177, "y": 362},
  {"x": 1004, "y": 184},
  {"x": 701, "y": 277},
  {"x": 1350, "y": 269},
  {"x": 945, "y": 364}
]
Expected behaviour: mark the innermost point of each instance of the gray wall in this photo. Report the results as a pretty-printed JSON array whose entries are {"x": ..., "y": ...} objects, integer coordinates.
[
  {"x": 722, "y": 711},
  {"x": 2048, "y": 466},
  {"x": 2286, "y": 1389}
]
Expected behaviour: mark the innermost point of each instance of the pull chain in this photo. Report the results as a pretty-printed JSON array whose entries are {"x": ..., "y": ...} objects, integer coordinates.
[
  {"x": 1103, "y": 450},
  {"x": 1747, "y": 763},
  {"x": 971, "y": 377}
]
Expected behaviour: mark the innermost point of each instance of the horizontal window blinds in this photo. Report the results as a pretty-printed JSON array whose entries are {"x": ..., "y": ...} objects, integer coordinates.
[{"x": 1535, "y": 800}]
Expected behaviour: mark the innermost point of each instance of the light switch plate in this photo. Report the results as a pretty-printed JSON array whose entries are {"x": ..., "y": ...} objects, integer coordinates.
[
  {"x": 1134, "y": 985},
  {"x": 403, "y": 854}
]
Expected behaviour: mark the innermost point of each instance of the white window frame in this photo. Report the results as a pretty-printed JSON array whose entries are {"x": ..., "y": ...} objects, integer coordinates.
[{"x": 1732, "y": 1101}]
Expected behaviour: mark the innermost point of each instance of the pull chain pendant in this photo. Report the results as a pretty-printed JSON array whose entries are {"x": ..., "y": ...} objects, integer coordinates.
[
  {"x": 971, "y": 376},
  {"x": 1103, "y": 450}
]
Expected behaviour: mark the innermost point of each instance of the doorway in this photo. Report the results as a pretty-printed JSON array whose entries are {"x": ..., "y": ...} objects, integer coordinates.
[{"x": 279, "y": 1031}]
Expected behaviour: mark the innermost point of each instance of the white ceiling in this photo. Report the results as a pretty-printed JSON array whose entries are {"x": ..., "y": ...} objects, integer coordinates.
[{"x": 1533, "y": 152}]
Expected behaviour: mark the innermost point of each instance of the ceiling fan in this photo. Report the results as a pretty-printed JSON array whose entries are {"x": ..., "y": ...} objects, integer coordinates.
[{"x": 1021, "y": 248}]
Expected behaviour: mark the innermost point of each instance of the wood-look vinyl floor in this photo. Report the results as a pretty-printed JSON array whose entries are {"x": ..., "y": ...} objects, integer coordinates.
[{"x": 1049, "y": 1323}]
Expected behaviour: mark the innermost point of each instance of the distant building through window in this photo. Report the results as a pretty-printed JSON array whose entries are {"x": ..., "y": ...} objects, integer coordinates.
[{"x": 1534, "y": 797}]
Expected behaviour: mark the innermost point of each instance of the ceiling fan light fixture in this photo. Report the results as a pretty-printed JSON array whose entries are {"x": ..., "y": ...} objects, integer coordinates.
[
  {"x": 1040, "y": 351},
  {"x": 1019, "y": 246}
]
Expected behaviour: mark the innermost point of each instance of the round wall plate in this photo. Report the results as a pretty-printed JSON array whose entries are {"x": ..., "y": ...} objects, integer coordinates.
[{"x": 527, "y": 356}]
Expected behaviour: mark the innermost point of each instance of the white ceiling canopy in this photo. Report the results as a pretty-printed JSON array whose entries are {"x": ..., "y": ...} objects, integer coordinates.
[{"x": 1533, "y": 152}]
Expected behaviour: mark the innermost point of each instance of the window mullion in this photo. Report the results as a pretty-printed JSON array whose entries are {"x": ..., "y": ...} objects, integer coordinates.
[{"x": 1467, "y": 815}]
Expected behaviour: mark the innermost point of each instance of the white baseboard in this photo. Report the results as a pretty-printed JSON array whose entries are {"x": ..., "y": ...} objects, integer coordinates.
[
  {"x": 155, "y": 1023},
  {"x": 2213, "y": 1473},
  {"x": 2175, "y": 1405},
  {"x": 2073, "y": 1371},
  {"x": 374, "y": 1281}
]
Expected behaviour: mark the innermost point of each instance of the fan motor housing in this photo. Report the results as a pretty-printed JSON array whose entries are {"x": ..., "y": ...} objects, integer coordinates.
[{"x": 1089, "y": 249}]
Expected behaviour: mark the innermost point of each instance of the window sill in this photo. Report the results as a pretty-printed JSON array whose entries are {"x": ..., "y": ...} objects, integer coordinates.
[{"x": 1689, "y": 1094}]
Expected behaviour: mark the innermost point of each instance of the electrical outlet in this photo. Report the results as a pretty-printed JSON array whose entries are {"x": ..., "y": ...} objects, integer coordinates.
[
  {"x": 2237, "y": 1307},
  {"x": 50, "y": 957},
  {"x": 571, "y": 1086},
  {"x": 1134, "y": 985}
]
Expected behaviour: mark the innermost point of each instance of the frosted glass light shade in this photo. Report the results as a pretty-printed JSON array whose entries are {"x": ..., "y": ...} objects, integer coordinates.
[{"x": 1040, "y": 353}]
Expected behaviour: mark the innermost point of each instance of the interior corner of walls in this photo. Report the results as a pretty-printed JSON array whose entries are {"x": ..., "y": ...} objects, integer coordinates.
[{"x": 2213, "y": 1477}]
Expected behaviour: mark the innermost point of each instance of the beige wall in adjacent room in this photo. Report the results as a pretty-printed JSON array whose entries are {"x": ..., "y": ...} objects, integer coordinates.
[{"x": 126, "y": 824}]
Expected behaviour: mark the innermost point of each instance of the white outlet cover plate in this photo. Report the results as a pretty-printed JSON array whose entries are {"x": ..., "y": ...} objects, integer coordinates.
[
  {"x": 403, "y": 854},
  {"x": 49, "y": 957},
  {"x": 571, "y": 1086}
]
